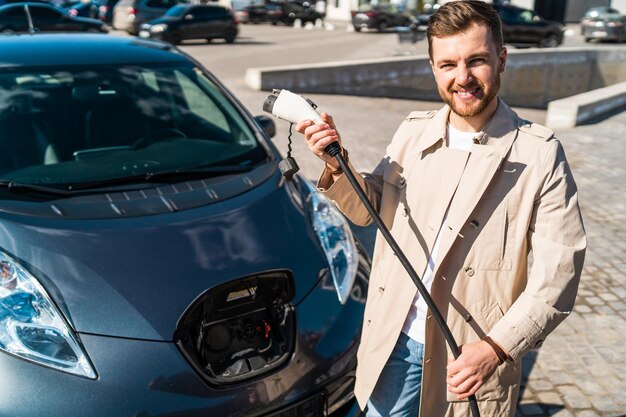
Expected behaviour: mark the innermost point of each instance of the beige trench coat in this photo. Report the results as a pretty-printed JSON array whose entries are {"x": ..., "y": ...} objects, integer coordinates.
[{"x": 517, "y": 195}]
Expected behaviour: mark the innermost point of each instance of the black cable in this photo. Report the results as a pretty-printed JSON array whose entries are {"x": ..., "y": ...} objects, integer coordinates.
[
  {"x": 334, "y": 149},
  {"x": 289, "y": 140}
]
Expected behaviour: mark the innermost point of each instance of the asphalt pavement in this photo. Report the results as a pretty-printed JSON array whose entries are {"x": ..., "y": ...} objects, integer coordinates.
[{"x": 581, "y": 368}]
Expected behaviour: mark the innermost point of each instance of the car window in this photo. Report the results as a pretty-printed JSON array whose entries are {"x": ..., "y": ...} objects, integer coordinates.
[
  {"x": 162, "y": 4},
  {"x": 71, "y": 125},
  {"x": 14, "y": 12},
  {"x": 176, "y": 11},
  {"x": 526, "y": 16},
  {"x": 43, "y": 13},
  {"x": 206, "y": 11}
]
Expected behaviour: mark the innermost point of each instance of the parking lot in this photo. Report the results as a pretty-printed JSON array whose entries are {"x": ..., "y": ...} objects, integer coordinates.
[{"x": 580, "y": 370}]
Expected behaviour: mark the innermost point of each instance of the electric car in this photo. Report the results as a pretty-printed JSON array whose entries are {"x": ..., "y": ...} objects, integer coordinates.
[{"x": 154, "y": 261}]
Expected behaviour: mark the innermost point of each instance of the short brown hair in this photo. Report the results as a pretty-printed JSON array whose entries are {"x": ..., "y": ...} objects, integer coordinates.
[{"x": 458, "y": 16}]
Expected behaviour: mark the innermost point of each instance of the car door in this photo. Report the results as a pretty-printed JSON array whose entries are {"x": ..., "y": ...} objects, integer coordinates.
[
  {"x": 48, "y": 19},
  {"x": 217, "y": 19},
  {"x": 14, "y": 19}
]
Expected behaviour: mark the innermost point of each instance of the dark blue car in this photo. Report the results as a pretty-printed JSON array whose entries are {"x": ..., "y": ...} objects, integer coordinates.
[{"x": 153, "y": 260}]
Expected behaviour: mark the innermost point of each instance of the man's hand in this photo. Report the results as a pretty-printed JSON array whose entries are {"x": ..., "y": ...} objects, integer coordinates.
[
  {"x": 476, "y": 363},
  {"x": 317, "y": 137}
]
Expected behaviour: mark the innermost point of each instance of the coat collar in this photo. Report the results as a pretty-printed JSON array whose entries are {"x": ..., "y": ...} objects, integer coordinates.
[{"x": 503, "y": 122}]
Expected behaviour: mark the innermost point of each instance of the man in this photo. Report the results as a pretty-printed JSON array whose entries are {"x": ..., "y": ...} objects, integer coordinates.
[{"x": 467, "y": 191}]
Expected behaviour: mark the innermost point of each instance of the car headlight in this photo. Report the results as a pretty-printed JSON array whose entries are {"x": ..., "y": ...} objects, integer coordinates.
[
  {"x": 335, "y": 237},
  {"x": 161, "y": 27},
  {"x": 32, "y": 327}
]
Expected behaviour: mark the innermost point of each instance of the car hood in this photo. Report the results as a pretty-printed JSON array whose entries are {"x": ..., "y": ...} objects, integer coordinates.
[{"x": 135, "y": 277}]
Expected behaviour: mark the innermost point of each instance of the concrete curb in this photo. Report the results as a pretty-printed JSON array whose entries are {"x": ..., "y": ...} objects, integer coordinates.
[
  {"x": 533, "y": 77},
  {"x": 574, "y": 110}
]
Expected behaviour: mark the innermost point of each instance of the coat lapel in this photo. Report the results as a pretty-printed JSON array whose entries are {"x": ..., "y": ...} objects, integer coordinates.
[{"x": 484, "y": 161}]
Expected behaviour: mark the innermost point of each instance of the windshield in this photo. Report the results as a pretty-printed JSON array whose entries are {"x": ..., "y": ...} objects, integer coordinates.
[
  {"x": 71, "y": 126},
  {"x": 177, "y": 11}
]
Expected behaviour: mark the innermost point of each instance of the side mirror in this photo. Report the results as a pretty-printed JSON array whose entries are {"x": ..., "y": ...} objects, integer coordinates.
[{"x": 268, "y": 125}]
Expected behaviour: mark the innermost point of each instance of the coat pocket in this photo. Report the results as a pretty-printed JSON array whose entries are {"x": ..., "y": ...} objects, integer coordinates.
[{"x": 491, "y": 229}]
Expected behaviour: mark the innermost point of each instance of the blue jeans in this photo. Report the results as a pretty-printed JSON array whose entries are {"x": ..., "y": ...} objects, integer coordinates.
[{"x": 397, "y": 392}]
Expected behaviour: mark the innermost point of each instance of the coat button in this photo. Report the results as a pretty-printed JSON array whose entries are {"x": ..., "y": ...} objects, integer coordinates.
[
  {"x": 468, "y": 317},
  {"x": 538, "y": 343},
  {"x": 402, "y": 181},
  {"x": 381, "y": 289},
  {"x": 405, "y": 212},
  {"x": 469, "y": 271},
  {"x": 474, "y": 224}
]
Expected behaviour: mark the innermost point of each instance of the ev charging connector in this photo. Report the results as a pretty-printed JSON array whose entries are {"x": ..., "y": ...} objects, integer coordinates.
[{"x": 293, "y": 108}]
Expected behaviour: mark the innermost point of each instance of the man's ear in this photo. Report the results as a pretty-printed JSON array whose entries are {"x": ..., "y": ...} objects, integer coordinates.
[{"x": 502, "y": 60}]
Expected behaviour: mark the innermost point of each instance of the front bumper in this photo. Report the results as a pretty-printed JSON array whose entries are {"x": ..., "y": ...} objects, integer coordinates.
[
  {"x": 144, "y": 378},
  {"x": 602, "y": 32}
]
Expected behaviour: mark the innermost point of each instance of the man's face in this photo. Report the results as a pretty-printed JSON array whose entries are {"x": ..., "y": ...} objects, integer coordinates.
[{"x": 467, "y": 69}]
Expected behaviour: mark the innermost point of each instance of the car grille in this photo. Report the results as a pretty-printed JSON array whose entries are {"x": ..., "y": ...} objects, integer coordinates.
[{"x": 314, "y": 406}]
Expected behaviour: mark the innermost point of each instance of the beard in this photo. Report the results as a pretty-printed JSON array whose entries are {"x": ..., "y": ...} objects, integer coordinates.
[{"x": 479, "y": 104}]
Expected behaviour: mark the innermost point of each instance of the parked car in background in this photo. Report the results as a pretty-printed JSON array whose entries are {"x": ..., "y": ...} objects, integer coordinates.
[
  {"x": 17, "y": 18},
  {"x": 152, "y": 251},
  {"x": 128, "y": 15},
  {"x": 254, "y": 13},
  {"x": 105, "y": 11},
  {"x": 603, "y": 23},
  {"x": 288, "y": 12},
  {"x": 380, "y": 17},
  {"x": 82, "y": 8},
  {"x": 523, "y": 27},
  {"x": 420, "y": 20},
  {"x": 190, "y": 21}
]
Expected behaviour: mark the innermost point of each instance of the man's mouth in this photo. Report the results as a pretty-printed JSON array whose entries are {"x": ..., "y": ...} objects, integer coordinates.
[{"x": 467, "y": 93}]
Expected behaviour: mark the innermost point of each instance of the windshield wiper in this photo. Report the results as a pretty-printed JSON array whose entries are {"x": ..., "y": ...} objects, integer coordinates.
[
  {"x": 21, "y": 188},
  {"x": 160, "y": 176}
]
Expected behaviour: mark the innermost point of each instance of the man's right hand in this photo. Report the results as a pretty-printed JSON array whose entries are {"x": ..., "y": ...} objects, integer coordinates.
[{"x": 318, "y": 137}]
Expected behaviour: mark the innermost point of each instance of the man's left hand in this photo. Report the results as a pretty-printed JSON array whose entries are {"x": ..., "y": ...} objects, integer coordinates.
[{"x": 476, "y": 363}]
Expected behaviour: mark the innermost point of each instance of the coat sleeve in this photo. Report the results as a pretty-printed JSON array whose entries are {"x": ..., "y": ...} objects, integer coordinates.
[
  {"x": 557, "y": 239},
  {"x": 344, "y": 196}
]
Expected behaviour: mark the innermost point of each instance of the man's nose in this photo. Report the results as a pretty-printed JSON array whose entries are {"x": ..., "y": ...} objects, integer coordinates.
[{"x": 463, "y": 74}]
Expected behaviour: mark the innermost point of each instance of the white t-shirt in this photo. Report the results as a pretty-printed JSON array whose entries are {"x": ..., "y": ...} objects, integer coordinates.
[{"x": 414, "y": 326}]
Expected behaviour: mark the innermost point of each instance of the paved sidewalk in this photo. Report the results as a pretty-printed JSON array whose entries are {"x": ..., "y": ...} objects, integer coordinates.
[{"x": 581, "y": 368}]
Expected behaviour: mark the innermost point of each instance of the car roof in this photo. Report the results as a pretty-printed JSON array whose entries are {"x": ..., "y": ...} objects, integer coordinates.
[
  {"x": 30, "y": 4},
  {"x": 82, "y": 49}
]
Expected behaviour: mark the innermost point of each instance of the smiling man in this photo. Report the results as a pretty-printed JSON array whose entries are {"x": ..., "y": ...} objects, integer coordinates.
[{"x": 468, "y": 191}]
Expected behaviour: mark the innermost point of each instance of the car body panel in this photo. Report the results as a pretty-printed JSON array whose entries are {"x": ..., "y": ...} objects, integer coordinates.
[{"x": 153, "y": 267}]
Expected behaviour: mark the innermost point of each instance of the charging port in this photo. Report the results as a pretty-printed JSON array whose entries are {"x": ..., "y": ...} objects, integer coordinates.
[{"x": 241, "y": 329}]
